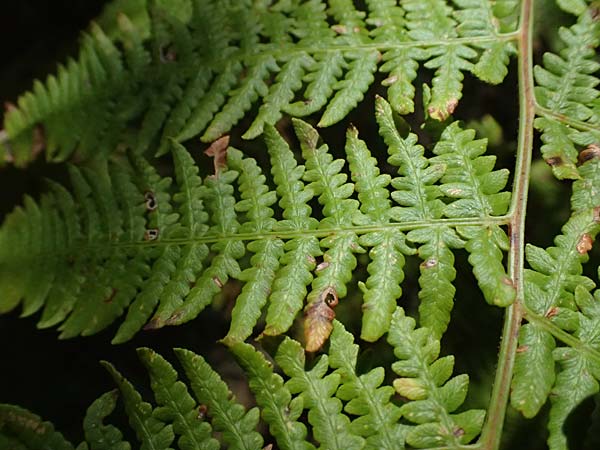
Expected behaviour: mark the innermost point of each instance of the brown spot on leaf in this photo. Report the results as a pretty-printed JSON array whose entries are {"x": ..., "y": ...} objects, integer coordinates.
[
  {"x": 38, "y": 141},
  {"x": 322, "y": 266},
  {"x": 458, "y": 432},
  {"x": 597, "y": 214},
  {"x": 318, "y": 318},
  {"x": 428, "y": 264},
  {"x": 151, "y": 234},
  {"x": 585, "y": 243},
  {"x": 389, "y": 80},
  {"x": 111, "y": 297},
  {"x": 202, "y": 412},
  {"x": 340, "y": 29},
  {"x": 554, "y": 161},
  {"x": 592, "y": 151},
  {"x": 218, "y": 151},
  {"x": 218, "y": 282},
  {"x": 552, "y": 311},
  {"x": 522, "y": 348},
  {"x": 443, "y": 113},
  {"x": 150, "y": 198}
]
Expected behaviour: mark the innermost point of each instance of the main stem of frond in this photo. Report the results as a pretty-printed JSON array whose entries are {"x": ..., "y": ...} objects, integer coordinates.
[{"x": 492, "y": 431}]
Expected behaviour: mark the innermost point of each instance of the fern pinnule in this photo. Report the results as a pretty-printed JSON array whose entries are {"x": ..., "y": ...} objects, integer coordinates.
[
  {"x": 426, "y": 381},
  {"x": 228, "y": 416},
  {"x": 419, "y": 197},
  {"x": 470, "y": 180},
  {"x": 298, "y": 262},
  {"x": 330, "y": 426},
  {"x": 256, "y": 204},
  {"x": 161, "y": 221},
  {"x": 482, "y": 18},
  {"x": 99, "y": 435},
  {"x": 192, "y": 224},
  {"x": 220, "y": 202},
  {"x": 339, "y": 211},
  {"x": 387, "y": 247},
  {"x": 278, "y": 409},
  {"x": 151, "y": 431},
  {"x": 176, "y": 405},
  {"x": 378, "y": 418}
]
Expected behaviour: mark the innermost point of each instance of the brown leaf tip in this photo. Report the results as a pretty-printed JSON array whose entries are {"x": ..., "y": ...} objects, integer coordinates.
[
  {"x": 585, "y": 243},
  {"x": 318, "y": 318},
  {"x": 592, "y": 151},
  {"x": 218, "y": 151}
]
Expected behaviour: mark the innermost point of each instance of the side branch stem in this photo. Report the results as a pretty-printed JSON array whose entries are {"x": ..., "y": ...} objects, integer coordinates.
[{"x": 492, "y": 430}]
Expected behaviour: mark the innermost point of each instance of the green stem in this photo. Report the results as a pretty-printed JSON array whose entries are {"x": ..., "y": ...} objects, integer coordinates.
[{"x": 492, "y": 430}]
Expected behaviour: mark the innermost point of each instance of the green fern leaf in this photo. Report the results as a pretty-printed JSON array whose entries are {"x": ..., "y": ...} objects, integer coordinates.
[
  {"x": 382, "y": 288},
  {"x": 469, "y": 178},
  {"x": 567, "y": 87},
  {"x": 228, "y": 416},
  {"x": 330, "y": 283},
  {"x": 256, "y": 202},
  {"x": 279, "y": 410},
  {"x": 534, "y": 370},
  {"x": 425, "y": 380},
  {"x": 551, "y": 294},
  {"x": 152, "y": 432},
  {"x": 97, "y": 434},
  {"x": 419, "y": 197},
  {"x": 289, "y": 286},
  {"x": 20, "y": 427},
  {"x": 220, "y": 201},
  {"x": 330, "y": 427},
  {"x": 183, "y": 74},
  {"x": 377, "y": 417},
  {"x": 176, "y": 404},
  {"x": 579, "y": 374}
]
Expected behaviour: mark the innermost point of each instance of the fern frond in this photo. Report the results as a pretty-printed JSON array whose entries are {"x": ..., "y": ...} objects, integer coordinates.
[
  {"x": 557, "y": 293},
  {"x": 172, "y": 245},
  {"x": 181, "y": 75},
  {"x": 426, "y": 381}
]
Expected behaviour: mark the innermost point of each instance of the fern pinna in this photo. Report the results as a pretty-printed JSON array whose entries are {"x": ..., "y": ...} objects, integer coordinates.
[
  {"x": 169, "y": 250},
  {"x": 299, "y": 228},
  {"x": 183, "y": 68}
]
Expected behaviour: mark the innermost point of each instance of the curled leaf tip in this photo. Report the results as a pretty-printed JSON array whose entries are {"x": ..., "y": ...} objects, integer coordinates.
[
  {"x": 318, "y": 319},
  {"x": 218, "y": 151}
]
